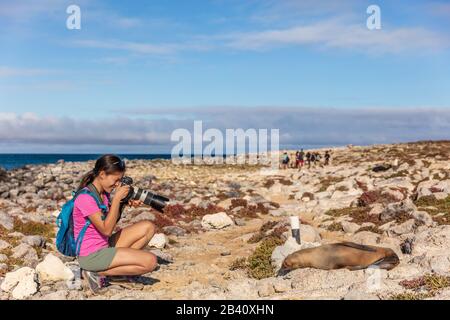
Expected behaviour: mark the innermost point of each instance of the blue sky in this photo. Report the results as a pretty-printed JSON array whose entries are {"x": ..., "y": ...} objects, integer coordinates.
[{"x": 138, "y": 61}]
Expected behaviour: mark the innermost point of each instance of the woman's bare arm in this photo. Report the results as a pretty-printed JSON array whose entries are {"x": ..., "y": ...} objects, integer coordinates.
[{"x": 106, "y": 227}]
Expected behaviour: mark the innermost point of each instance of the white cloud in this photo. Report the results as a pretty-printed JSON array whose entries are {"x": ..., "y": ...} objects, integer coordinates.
[
  {"x": 340, "y": 34},
  {"x": 298, "y": 126},
  {"x": 6, "y": 71}
]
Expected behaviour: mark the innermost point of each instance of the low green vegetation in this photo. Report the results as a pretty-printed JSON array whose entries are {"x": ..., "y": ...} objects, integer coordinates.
[
  {"x": 259, "y": 264},
  {"x": 438, "y": 209}
]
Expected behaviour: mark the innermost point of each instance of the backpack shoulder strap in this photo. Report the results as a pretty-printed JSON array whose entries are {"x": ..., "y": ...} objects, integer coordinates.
[{"x": 93, "y": 192}]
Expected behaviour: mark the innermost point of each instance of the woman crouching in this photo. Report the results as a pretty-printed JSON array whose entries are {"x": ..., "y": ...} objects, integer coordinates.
[{"x": 102, "y": 252}]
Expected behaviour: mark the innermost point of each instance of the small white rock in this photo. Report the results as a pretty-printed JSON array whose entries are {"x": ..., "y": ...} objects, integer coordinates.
[
  {"x": 216, "y": 221},
  {"x": 53, "y": 269},
  {"x": 22, "y": 280},
  {"x": 159, "y": 241}
]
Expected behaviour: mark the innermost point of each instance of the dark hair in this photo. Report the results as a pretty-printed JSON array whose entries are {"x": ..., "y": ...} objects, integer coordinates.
[{"x": 109, "y": 163}]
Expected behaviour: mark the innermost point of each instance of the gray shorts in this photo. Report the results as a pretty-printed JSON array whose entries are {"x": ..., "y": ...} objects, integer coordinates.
[{"x": 99, "y": 260}]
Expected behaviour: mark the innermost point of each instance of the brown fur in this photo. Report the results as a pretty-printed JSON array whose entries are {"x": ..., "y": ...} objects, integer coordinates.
[{"x": 342, "y": 255}]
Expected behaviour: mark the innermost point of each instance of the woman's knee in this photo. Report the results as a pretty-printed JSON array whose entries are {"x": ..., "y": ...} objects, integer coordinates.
[
  {"x": 148, "y": 228},
  {"x": 150, "y": 262}
]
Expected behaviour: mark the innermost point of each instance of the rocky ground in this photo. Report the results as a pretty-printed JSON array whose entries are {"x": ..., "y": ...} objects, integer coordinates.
[{"x": 226, "y": 230}]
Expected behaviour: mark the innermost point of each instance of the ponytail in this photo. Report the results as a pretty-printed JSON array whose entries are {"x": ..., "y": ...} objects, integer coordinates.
[{"x": 87, "y": 179}]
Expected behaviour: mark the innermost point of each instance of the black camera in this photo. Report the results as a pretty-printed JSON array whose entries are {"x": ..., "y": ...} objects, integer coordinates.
[{"x": 151, "y": 199}]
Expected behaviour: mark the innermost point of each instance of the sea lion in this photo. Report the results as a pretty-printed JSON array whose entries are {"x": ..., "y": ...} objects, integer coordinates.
[{"x": 348, "y": 255}]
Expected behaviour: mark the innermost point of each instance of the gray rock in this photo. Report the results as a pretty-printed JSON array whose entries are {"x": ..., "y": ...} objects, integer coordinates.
[
  {"x": 6, "y": 221},
  {"x": 243, "y": 289},
  {"x": 3, "y": 257},
  {"x": 280, "y": 212},
  {"x": 404, "y": 228},
  {"x": 282, "y": 285},
  {"x": 366, "y": 237},
  {"x": 34, "y": 241},
  {"x": 27, "y": 253},
  {"x": 265, "y": 289},
  {"x": 174, "y": 230},
  {"x": 58, "y": 295},
  {"x": 309, "y": 234},
  {"x": 4, "y": 244},
  {"x": 239, "y": 222},
  {"x": 423, "y": 216},
  {"x": 393, "y": 209},
  {"x": 144, "y": 216},
  {"x": 360, "y": 295},
  {"x": 3, "y": 268},
  {"x": 440, "y": 264},
  {"x": 350, "y": 227}
]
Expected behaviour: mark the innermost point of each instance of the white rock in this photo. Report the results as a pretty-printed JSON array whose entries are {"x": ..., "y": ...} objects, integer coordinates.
[
  {"x": 440, "y": 264},
  {"x": 366, "y": 237},
  {"x": 265, "y": 288},
  {"x": 58, "y": 295},
  {"x": 423, "y": 216},
  {"x": 4, "y": 244},
  {"x": 53, "y": 269},
  {"x": 350, "y": 227},
  {"x": 216, "y": 221},
  {"x": 225, "y": 203},
  {"x": 309, "y": 234},
  {"x": 243, "y": 289},
  {"x": 24, "y": 251},
  {"x": 22, "y": 280},
  {"x": 404, "y": 228},
  {"x": 6, "y": 221},
  {"x": 159, "y": 241}
]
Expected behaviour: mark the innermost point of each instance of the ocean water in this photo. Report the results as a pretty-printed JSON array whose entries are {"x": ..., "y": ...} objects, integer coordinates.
[{"x": 12, "y": 161}]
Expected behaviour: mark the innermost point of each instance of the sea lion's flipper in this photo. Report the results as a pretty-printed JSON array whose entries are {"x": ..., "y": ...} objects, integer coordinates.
[
  {"x": 356, "y": 246},
  {"x": 355, "y": 268},
  {"x": 388, "y": 262},
  {"x": 283, "y": 272}
]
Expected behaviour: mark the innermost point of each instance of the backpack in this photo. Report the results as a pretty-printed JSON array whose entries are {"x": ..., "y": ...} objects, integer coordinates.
[{"x": 65, "y": 238}]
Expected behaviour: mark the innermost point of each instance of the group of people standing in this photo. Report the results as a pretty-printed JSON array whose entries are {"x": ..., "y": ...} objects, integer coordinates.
[{"x": 298, "y": 161}]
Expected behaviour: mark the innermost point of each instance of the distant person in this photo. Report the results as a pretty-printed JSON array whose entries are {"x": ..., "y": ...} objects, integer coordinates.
[
  {"x": 327, "y": 157},
  {"x": 302, "y": 158},
  {"x": 312, "y": 159},
  {"x": 308, "y": 159},
  {"x": 317, "y": 157},
  {"x": 285, "y": 160},
  {"x": 296, "y": 159}
]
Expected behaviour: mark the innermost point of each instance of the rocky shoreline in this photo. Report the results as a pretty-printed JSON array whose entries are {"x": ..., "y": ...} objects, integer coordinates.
[{"x": 226, "y": 230}]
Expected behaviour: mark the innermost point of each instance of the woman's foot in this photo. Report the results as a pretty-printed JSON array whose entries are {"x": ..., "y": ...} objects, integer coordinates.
[{"x": 94, "y": 281}]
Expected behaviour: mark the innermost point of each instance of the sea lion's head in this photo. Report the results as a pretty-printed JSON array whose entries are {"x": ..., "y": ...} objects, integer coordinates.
[
  {"x": 292, "y": 261},
  {"x": 390, "y": 259}
]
